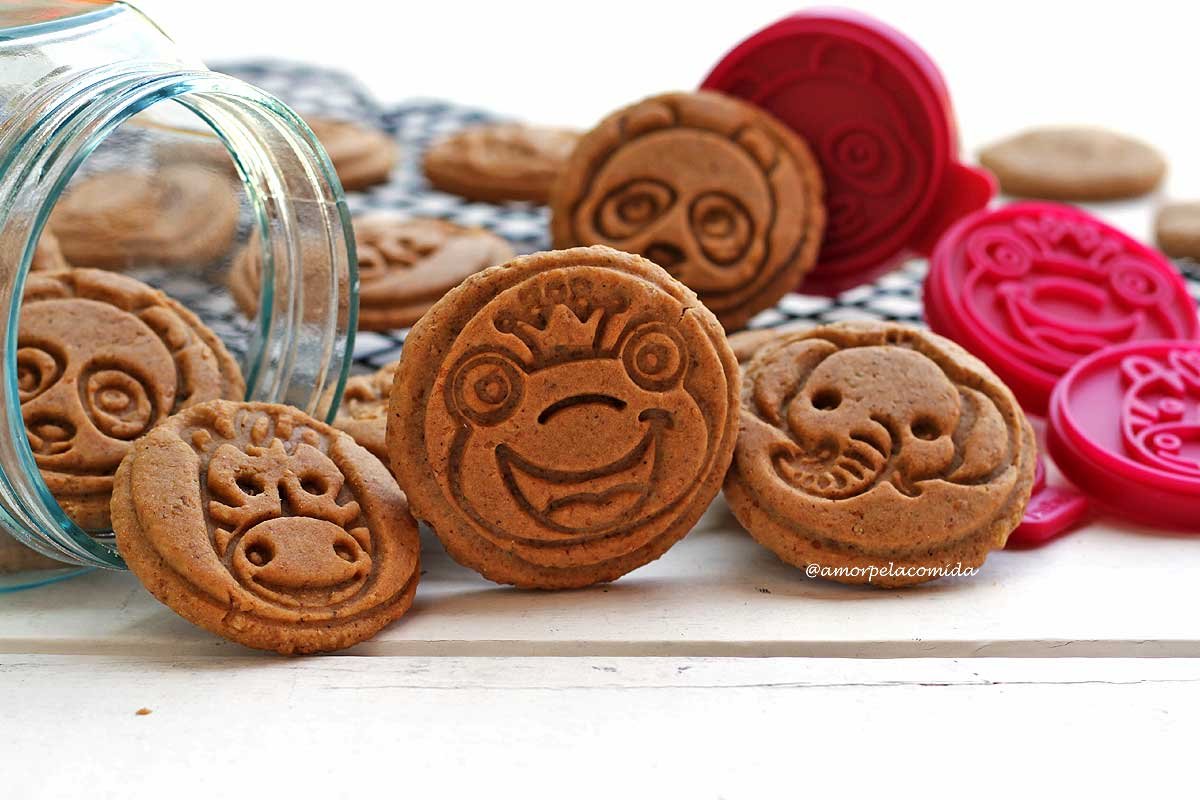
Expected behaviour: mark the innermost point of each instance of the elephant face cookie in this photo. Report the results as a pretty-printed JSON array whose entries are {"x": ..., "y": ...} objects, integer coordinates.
[
  {"x": 101, "y": 359},
  {"x": 711, "y": 189},
  {"x": 875, "y": 445},
  {"x": 563, "y": 419},
  {"x": 267, "y": 527}
]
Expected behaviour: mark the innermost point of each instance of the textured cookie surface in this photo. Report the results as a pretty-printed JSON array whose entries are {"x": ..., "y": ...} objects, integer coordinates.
[
  {"x": 361, "y": 156},
  {"x": 712, "y": 189},
  {"x": 1074, "y": 164},
  {"x": 177, "y": 215},
  {"x": 1177, "y": 230},
  {"x": 404, "y": 266},
  {"x": 877, "y": 445},
  {"x": 364, "y": 409},
  {"x": 495, "y": 163},
  {"x": 564, "y": 418},
  {"x": 101, "y": 359},
  {"x": 48, "y": 255},
  {"x": 266, "y": 527}
]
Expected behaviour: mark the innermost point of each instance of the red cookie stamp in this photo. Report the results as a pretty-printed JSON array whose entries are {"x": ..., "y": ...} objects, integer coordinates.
[
  {"x": 1031, "y": 288},
  {"x": 1124, "y": 426},
  {"x": 877, "y": 114}
]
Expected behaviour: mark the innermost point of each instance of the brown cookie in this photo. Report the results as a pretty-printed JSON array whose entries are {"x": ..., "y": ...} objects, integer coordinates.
[
  {"x": 404, "y": 266},
  {"x": 48, "y": 254},
  {"x": 177, "y": 215},
  {"x": 364, "y": 409},
  {"x": 101, "y": 359},
  {"x": 746, "y": 343},
  {"x": 495, "y": 163},
  {"x": 564, "y": 418},
  {"x": 361, "y": 156},
  {"x": 16, "y": 557},
  {"x": 712, "y": 189},
  {"x": 1074, "y": 164},
  {"x": 1177, "y": 230},
  {"x": 267, "y": 527},
  {"x": 875, "y": 445}
]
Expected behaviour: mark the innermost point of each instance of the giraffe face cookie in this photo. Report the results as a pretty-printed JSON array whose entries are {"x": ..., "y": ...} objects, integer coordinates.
[
  {"x": 267, "y": 527},
  {"x": 101, "y": 359},
  {"x": 868, "y": 445},
  {"x": 709, "y": 188},
  {"x": 563, "y": 419}
]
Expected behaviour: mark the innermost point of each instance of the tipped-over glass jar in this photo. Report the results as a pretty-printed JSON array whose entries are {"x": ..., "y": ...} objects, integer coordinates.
[{"x": 118, "y": 153}]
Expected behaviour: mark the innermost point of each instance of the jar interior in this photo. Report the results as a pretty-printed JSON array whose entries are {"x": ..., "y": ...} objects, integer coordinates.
[{"x": 217, "y": 202}]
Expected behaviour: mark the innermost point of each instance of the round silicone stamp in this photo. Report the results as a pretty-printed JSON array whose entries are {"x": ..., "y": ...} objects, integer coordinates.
[
  {"x": 1031, "y": 288},
  {"x": 565, "y": 418},
  {"x": 1124, "y": 426},
  {"x": 877, "y": 115}
]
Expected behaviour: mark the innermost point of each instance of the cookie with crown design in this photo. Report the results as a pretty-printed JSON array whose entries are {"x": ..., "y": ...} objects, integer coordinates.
[
  {"x": 713, "y": 190},
  {"x": 564, "y": 418},
  {"x": 878, "y": 446},
  {"x": 267, "y": 527}
]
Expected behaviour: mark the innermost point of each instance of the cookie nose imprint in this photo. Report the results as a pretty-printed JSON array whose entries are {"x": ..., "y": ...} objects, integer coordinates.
[{"x": 294, "y": 554}]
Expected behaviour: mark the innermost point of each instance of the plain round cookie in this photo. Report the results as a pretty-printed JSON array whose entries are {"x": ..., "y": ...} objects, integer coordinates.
[
  {"x": 1177, "y": 230},
  {"x": 1074, "y": 164},
  {"x": 712, "y": 189},
  {"x": 361, "y": 156},
  {"x": 876, "y": 445},
  {"x": 405, "y": 265},
  {"x": 177, "y": 215},
  {"x": 500, "y": 162},
  {"x": 101, "y": 359},
  {"x": 267, "y": 527},
  {"x": 363, "y": 411},
  {"x": 564, "y": 418}
]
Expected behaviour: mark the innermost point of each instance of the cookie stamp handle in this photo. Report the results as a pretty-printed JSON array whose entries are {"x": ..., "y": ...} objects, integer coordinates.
[{"x": 964, "y": 190}]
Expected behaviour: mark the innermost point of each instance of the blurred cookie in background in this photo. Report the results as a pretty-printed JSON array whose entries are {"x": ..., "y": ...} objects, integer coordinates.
[
  {"x": 1074, "y": 164},
  {"x": 361, "y": 155},
  {"x": 500, "y": 162},
  {"x": 404, "y": 266},
  {"x": 1177, "y": 229},
  {"x": 364, "y": 407},
  {"x": 182, "y": 214}
]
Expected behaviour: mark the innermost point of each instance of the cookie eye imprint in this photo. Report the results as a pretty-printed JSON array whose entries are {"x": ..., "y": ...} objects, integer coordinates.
[
  {"x": 118, "y": 403},
  {"x": 654, "y": 357},
  {"x": 632, "y": 207},
  {"x": 37, "y": 371},
  {"x": 722, "y": 227},
  {"x": 487, "y": 388}
]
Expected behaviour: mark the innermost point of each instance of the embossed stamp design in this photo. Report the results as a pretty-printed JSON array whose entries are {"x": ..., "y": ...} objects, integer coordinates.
[
  {"x": 101, "y": 359},
  {"x": 266, "y": 526},
  {"x": 707, "y": 187},
  {"x": 878, "y": 443},
  {"x": 581, "y": 411}
]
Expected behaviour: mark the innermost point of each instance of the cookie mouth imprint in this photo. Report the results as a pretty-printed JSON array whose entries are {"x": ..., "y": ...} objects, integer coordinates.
[{"x": 614, "y": 491}]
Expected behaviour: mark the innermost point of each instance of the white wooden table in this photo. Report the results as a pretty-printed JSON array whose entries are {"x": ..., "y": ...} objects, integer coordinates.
[{"x": 714, "y": 672}]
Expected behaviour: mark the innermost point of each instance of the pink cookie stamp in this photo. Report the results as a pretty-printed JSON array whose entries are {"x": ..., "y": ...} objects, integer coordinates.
[
  {"x": 1032, "y": 288},
  {"x": 1052, "y": 512},
  {"x": 877, "y": 115},
  {"x": 1124, "y": 427}
]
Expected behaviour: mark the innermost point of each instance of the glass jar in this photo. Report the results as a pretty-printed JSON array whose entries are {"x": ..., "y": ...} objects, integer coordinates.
[{"x": 95, "y": 87}]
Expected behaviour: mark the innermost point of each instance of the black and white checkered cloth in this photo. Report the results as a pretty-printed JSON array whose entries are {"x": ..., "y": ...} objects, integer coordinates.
[{"x": 323, "y": 92}]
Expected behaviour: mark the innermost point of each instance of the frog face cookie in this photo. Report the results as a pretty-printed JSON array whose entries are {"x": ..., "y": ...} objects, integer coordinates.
[{"x": 581, "y": 409}]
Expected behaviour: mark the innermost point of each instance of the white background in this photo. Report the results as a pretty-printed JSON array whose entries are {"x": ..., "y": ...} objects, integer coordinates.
[{"x": 1129, "y": 65}]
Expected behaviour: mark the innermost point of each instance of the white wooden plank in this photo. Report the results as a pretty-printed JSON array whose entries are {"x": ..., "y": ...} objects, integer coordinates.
[
  {"x": 1105, "y": 591},
  {"x": 583, "y": 727}
]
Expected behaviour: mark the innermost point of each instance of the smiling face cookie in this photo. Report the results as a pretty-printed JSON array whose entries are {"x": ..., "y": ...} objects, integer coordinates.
[
  {"x": 267, "y": 527},
  {"x": 868, "y": 445},
  {"x": 101, "y": 359},
  {"x": 563, "y": 419},
  {"x": 709, "y": 188}
]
